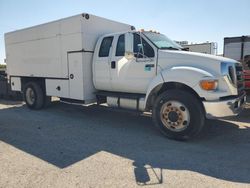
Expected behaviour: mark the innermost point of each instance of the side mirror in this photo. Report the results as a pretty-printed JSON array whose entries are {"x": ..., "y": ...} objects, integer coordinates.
[
  {"x": 129, "y": 54},
  {"x": 140, "y": 48}
]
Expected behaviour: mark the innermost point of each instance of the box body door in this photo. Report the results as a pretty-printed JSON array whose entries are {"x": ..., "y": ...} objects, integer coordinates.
[{"x": 75, "y": 62}]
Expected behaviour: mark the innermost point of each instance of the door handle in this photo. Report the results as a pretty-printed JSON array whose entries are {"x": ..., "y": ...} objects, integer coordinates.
[
  {"x": 112, "y": 64},
  {"x": 58, "y": 88},
  {"x": 149, "y": 65}
]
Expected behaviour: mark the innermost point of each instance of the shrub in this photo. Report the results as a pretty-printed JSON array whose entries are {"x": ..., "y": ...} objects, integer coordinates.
[{"x": 2, "y": 66}]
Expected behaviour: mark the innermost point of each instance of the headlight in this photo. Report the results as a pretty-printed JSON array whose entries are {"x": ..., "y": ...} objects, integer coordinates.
[{"x": 209, "y": 85}]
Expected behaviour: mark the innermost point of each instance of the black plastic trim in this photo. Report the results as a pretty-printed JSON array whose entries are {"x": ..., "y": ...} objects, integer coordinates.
[
  {"x": 76, "y": 101},
  {"x": 80, "y": 51},
  {"x": 121, "y": 94},
  {"x": 232, "y": 96},
  {"x": 52, "y": 78}
]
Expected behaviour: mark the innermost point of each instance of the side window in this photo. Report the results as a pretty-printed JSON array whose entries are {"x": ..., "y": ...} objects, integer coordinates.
[
  {"x": 120, "y": 48},
  {"x": 141, "y": 47},
  {"x": 105, "y": 47}
]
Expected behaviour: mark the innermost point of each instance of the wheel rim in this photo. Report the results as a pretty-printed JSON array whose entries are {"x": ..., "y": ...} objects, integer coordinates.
[
  {"x": 175, "y": 116},
  {"x": 30, "y": 96}
]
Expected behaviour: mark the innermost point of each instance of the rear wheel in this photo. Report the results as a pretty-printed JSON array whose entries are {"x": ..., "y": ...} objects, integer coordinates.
[
  {"x": 47, "y": 102},
  {"x": 178, "y": 114},
  {"x": 34, "y": 95}
]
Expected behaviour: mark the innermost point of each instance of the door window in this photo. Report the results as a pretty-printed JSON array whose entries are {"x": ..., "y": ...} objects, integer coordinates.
[
  {"x": 105, "y": 46},
  {"x": 120, "y": 47},
  {"x": 141, "y": 48}
]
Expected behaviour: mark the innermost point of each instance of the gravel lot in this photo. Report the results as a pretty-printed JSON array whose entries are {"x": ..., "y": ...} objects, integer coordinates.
[{"x": 75, "y": 146}]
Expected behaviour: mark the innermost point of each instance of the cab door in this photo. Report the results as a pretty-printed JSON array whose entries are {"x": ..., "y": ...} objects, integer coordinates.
[
  {"x": 102, "y": 64},
  {"x": 132, "y": 75}
]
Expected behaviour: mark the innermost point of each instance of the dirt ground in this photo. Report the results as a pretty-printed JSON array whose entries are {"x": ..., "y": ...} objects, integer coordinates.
[{"x": 76, "y": 146}]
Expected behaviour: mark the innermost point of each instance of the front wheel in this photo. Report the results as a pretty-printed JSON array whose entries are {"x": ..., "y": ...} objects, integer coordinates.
[{"x": 178, "y": 114}]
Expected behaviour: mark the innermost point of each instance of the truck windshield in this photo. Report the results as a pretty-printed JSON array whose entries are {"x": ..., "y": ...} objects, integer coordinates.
[{"x": 161, "y": 41}]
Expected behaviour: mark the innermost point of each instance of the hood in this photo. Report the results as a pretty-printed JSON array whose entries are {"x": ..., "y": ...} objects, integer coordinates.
[{"x": 174, "y": 58}]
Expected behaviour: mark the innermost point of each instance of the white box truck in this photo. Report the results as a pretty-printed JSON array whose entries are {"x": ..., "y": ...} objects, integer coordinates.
[
  {"x": 89, "y": 59},
  {"x": 206, "y": 48}
]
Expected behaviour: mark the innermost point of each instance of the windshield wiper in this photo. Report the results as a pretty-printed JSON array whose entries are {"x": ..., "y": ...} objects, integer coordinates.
[{"x": 169, "y": 48}]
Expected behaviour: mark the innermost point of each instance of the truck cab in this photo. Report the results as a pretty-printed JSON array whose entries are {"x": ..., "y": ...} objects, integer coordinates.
[
  {"x": 113, "y": 70},
  {"x": 150, "y": 65}
]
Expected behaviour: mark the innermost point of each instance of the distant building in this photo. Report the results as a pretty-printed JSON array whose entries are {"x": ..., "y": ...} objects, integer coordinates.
[{"x": 206, "y": 48}]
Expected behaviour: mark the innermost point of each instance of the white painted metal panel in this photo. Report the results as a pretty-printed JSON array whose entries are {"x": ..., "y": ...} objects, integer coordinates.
[
  {"x": 102, "y": 74},
  {"x": 70, "y": 42},
  {"x": 95, "y": 27},
  {"x": 41, "y": 58},
  {"x": 58, "y": 88},
  {"x": 88, "y": 86},
  {"x": 71, "y": 25},
  {"x": 38, "y": 32},
  {"x": 101, "y": 70},
  {"x": 15, "y": 83},
  {"x": 43, "y": 50},
  {"x": 76, "y": 76},
  {"x": 132, "y": 76}
]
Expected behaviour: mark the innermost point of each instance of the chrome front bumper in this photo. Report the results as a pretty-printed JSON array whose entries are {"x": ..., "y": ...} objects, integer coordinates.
[{"x": 224, "y": 108}]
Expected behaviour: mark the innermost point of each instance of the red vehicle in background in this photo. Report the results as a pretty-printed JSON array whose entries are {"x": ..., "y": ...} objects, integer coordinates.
[
  {"x": 246, "y": 72},
  {"x": 247, "y": 79}
]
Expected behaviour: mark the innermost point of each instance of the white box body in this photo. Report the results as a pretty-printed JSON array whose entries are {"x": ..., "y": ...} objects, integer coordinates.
[{"x": 56, "y": 50}]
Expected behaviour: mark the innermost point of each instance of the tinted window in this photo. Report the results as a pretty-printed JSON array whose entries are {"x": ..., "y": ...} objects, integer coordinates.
[
  {"x": 105, "y": 47},
  {"x": 142, "y": 47},
  {"x": 120, "y": 48}
]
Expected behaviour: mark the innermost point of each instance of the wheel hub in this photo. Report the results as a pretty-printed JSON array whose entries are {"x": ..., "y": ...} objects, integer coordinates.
[
  {"x": 175, "y": 116},
  {"x": 30, "y": 96}
]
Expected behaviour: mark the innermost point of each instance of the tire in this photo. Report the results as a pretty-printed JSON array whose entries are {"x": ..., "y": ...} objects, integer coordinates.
[
  {"x": 178, "y": 114},
  {"x": 47, "y": 102},
  {"x": 34, "y": 96}
]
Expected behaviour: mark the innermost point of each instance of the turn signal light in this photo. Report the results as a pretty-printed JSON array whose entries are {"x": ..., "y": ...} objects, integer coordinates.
[{"x": 209, "y": 84}]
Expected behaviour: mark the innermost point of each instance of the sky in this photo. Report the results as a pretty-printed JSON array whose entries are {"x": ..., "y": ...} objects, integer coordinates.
[{"x": 195, "y": 21}]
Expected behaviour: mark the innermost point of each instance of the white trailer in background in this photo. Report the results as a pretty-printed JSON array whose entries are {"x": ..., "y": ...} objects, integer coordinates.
[
  {"x": 206, "y": 48},
  {"x": 88, "y": 59},
  {"x": 237, "y": 47}
]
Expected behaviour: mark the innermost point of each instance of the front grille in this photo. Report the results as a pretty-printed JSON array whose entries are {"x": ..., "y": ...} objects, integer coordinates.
[{"x": 240, "y": 78}]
